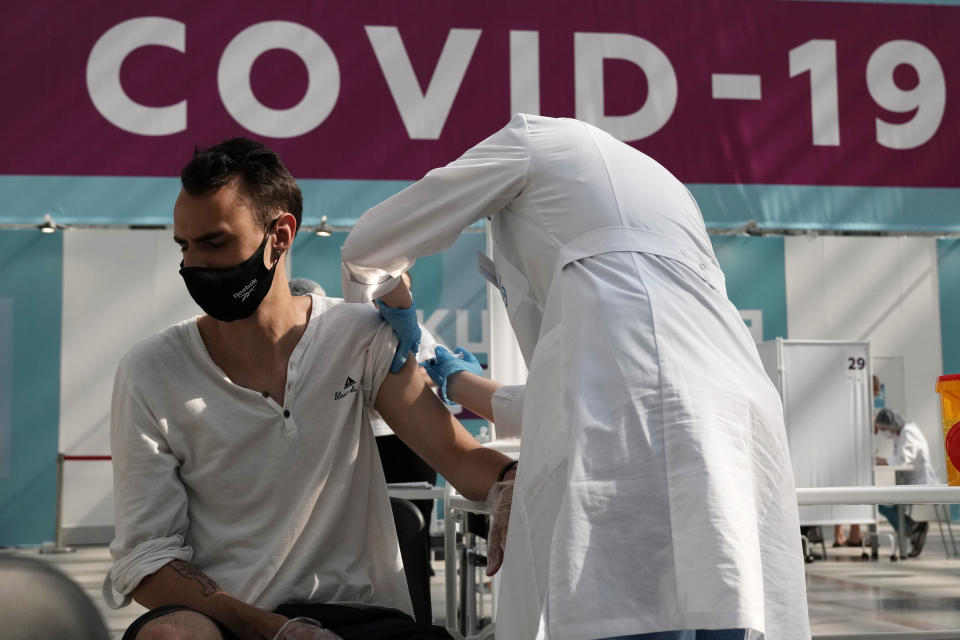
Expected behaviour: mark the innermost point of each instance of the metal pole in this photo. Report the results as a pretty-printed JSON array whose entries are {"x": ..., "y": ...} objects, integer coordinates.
[
  {"x": 450, "y": 559},
  {"x": 58, "y": 546}
]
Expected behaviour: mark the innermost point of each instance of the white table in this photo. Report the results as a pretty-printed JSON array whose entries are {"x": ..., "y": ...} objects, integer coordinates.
[
  {"x": 898, "y": 495},
  {"x": 415, "y": 491}
]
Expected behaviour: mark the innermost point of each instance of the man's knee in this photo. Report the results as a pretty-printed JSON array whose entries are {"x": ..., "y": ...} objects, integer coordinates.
[{"x": 180, "y": 625}]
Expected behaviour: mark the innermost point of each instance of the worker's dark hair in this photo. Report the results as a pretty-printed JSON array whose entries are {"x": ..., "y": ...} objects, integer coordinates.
[{"x": 265, "y": 184}]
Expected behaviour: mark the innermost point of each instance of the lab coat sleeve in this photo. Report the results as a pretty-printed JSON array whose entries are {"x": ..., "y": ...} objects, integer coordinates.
[
  {"x": 150, "y": 501},
  {"x": 429, "y": 215},
  {"x": 507, "y": 405},
  {"x": 907, "y": 449}
]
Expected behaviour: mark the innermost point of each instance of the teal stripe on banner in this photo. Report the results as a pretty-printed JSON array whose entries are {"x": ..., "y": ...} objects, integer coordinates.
[
  {"x": 149, "y": 201},
  {"x": 727, "y": 206},
  {"x": 87, "y": 199},
  {"x": 948, "y": 268},
  {"x": 31, "y": 282}
]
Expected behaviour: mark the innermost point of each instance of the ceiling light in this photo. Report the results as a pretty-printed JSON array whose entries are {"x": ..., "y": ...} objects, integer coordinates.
[
  {"x": 48, "y": 226},
  {"x": 323, "y": 230}
]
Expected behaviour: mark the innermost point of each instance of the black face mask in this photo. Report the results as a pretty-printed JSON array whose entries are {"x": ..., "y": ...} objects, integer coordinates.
[{"x": 231, "y": 293}]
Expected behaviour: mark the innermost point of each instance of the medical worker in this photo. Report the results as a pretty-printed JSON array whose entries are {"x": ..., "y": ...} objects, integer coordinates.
[
  {"x": 654, "y": 491},
  {"x": 909, "y": 448}
]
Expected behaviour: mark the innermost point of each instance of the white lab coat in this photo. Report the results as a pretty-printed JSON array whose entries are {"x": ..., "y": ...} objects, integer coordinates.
[
  {"x": 655, "y": 491},
  {"x": 911, "y": 448}
]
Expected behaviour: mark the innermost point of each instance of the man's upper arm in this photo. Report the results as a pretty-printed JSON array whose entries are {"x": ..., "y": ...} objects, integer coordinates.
[{"x": 418, "y": 417}]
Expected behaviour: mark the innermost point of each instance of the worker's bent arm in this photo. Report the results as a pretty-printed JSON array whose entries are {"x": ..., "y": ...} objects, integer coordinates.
[
  {"x": 178, "y": 582},
  {"x": 473, "y": 392},
  {"x": 418, "y": 418}
]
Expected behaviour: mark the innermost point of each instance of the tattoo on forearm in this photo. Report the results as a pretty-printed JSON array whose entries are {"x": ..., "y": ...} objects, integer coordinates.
[{"x": 207, "y": 586}]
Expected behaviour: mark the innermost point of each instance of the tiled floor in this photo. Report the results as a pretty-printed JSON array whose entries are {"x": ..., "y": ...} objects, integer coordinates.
[{"x": 846, "y": 595}]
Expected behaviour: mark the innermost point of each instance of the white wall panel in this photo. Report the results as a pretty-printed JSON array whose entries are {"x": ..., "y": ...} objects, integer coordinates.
[
  {"x": 881, "y": 290},
  {"x": 118, "y": 286}
]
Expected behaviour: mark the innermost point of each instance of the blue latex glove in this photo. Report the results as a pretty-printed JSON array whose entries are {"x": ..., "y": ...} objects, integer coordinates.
[
  {"x": 445, "y": 364},
  {"x": 404, "y": 324}
]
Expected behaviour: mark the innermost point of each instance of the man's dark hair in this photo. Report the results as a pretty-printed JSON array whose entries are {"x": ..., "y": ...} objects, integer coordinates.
[{"x": 265, "y": 184}]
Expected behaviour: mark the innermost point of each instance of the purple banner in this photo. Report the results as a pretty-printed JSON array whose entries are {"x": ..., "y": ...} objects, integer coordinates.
[{"x": 752, "y": 91}]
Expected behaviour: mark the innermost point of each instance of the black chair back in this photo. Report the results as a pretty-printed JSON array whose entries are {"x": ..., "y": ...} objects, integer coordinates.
[{"x": 415, "y": 551}]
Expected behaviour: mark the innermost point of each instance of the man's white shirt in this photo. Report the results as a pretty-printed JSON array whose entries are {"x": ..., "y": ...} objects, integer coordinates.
[{"x": 274, "y": 503}]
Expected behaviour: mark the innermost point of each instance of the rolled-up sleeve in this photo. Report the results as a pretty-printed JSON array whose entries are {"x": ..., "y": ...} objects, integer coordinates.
[
  {"x": 150, "y": 502},
  {"x": 429, "y": 215},
  {"x": 507, "y": 403}
]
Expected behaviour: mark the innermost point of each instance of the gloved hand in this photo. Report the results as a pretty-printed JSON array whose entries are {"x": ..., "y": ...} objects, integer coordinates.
[
  {"x": 444, "y": 364},
  {"x": 304, "y": 629},
  {"x": 501, "y": 497},
  {"x": 404, "y": 324}
]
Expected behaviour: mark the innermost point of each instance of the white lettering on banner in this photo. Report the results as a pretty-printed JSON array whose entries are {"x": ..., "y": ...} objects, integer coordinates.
[
  {"x": 525, "y": 72},
  {"x": 819, "y": 57},
  {"x": 463, "y": 332},
  {"x": 423, "y": 114},
  {"x": 929, "y": 97},
  {"x": 323, "y": 84},
  {"x": 462, "y": 328},
  {"x": 103, "y": 76},
  {"x": 589, "y": 52},
  {"x": 434, "y": 321}
]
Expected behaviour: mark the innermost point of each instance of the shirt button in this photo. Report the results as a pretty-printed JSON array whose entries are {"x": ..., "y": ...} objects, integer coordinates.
[
  {"x": 703, "y": 266},
  {"x": 683, "y": 251},
  {"x": 286, "y": 413}
]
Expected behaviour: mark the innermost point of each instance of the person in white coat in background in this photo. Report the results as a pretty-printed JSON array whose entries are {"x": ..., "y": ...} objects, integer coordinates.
[
  {"x": 909, "y": 448},
  {"x": 655, "y": 493}
]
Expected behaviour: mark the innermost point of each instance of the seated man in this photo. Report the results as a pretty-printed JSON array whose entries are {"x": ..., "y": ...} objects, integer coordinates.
[
  {"x": 247, "y": 485},
  {"x": 910, "y": 448}
]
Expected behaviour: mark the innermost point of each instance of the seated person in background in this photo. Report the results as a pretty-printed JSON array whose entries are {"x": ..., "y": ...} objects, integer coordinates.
[
  {"x": 910, "y": 448},
  {"x": 246, "y": 482},
  {"x": 304, "y": 287},
  {"x": 841, "y": 540},
  {"x": 856, "y": 537}
]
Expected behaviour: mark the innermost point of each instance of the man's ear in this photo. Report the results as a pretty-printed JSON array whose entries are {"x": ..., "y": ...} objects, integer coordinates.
[{"x": 285, "y": 231}]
